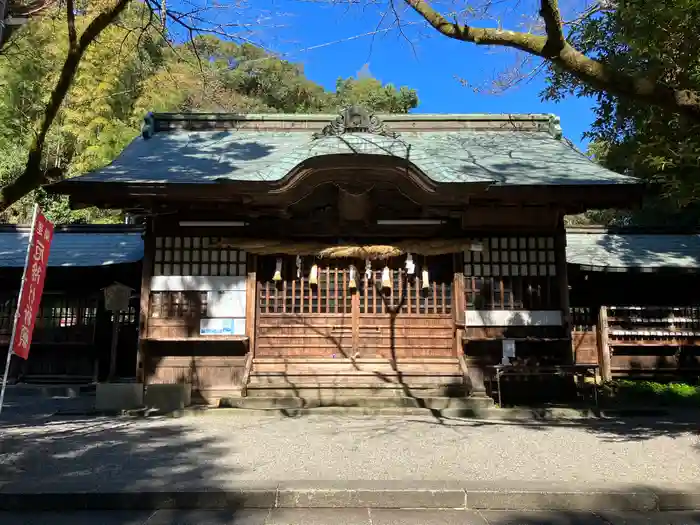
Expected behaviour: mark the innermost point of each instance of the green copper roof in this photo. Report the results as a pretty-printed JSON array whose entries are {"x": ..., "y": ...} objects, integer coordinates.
[
  {"x": 446, "y": 148},
  {"x": 600, "y": 249}
]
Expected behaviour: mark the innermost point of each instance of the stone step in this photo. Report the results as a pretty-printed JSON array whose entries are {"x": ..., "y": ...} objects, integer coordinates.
[
  {"x": 295, "y": 402},
  {"x": 380, "y": 360},
  {"x": 347, "y": 379},
  {"x": 352, "y": 366},
  {"x": 353, "y": 391},
  {"x": 357, "y": 374}
]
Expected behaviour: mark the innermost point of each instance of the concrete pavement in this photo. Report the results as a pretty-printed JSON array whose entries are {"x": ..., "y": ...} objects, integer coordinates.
[{"x": 348, "y": 517}]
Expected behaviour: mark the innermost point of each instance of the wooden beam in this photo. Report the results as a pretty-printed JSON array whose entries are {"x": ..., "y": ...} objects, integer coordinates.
[{"x": 520, "y": 217}]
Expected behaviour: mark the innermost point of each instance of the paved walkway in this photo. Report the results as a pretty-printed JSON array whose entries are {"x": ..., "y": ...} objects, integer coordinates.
[
  {"x": 223, "y": 451},
  {"x": 348, "y": 517}
]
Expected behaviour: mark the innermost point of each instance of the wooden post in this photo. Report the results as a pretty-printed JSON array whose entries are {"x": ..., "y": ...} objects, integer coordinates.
[
  {"x": 458, "y": 312},
  {"x": 145, "y": 298},
  {"x": 472, "y": 367},
  {"x": 251, "y": 301},
  {"x": 113, "y": 346},
  {"x": 563, "y": 281},
  {"x": 603, "y": 346}
]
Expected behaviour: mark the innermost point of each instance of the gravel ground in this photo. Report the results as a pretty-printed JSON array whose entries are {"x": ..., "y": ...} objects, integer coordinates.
[{"x": 215, "y": 450}]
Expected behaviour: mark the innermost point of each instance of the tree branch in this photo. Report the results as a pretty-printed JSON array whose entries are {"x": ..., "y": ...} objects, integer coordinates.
[
  {"x": 70, "y": 16},
  {"x": 549, "y": 11},
  {"x": 33, "y": 176},
  {"x": 588, "y": 70}
]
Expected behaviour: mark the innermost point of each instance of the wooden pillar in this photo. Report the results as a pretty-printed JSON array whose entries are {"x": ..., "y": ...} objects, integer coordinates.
[
  {"x": 472, "y": 365},
  {"x": 603, "y": 346},
  {"x": 458, "y": 312},
  {"x": 563, "y": 281},
  {"x": 251, "y": 301},
  {"x": 145, "y": 298}
]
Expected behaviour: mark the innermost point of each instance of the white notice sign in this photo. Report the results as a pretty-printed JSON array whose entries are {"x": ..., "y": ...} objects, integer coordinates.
[
  {"x": 508, "y": 351},
  {"x": 222, "y": 327},
  {"x": 229, "y": 304}
]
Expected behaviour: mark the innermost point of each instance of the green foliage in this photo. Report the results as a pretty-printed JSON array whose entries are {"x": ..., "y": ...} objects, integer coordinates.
[
  {"x": 370, "y": 92},
  {"x": 654, "y": 40},
  {"x": 650, "y": 393},
  {"x": 132, "y": 71}
]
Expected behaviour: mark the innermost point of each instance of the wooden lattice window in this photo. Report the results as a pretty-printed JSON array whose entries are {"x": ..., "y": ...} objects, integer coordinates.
[
  {"x": 59, "y": 311},
  {"x": 512, "y": 273},
  {"x": 197, "y": 256},
  {"x": 60, "y": 318},
  {"x": 331, "y": 295},
  {"x": 408, "y": 292},
  {"x": 64, "y": 318},
  {"x": 174, "y": 305},
  {"x": 129, "y": 316}
]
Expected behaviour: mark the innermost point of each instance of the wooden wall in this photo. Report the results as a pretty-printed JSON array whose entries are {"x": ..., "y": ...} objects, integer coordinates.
[
  {"x": 515, "y": 289},
  {"x": 185, "y": 277}
]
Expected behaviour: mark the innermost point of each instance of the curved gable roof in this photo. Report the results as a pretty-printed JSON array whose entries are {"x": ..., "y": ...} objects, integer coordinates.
[{"x": 202, "y": 149}]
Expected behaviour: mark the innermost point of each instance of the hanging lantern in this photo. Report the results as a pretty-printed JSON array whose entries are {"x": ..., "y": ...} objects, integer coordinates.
[
  {"x": 425, "y": 278},
  {"x": 386, "y": 278},
  {"x": 410, "y": 265},
  {"x": 278, "y": 270},
  {"x": 368, "y": 270},
  {"x": 313, "y": 275},
  {"x": 353, "y": 280},
  {"x": 298, "y": 267}
]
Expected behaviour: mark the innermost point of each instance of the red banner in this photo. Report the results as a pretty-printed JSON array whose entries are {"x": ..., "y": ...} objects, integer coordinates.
[{"x": 32, "y": 284}]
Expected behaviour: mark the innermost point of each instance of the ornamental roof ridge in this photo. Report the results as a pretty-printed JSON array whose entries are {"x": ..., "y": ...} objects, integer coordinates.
[{"x": 368, "y": 121}]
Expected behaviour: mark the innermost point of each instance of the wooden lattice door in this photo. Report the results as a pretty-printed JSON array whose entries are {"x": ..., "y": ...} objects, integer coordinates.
[
  {"x": 299, "y": 319},
  {"x": 407, "y": 320}
]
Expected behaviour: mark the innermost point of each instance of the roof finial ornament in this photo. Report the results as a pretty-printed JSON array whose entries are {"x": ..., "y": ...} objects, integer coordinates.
[
  {"x": 555, "y": 127},
  {"x": 355, "y": 119}
]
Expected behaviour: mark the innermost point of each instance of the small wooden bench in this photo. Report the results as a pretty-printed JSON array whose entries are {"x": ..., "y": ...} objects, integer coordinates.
[{"x": 579, "y": 372}]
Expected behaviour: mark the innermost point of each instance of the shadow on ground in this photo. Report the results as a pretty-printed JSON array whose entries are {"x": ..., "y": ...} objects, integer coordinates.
[
  {"x": 40, "y": 453},
  {"x": 587, "y": 518}
]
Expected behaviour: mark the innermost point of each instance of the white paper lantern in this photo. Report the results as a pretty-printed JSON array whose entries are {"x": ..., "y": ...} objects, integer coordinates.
[
  {"x": 425, "y": 278},
  {"x": 278, "y": 270},
  {"x": 386, "y": 278},
  {"x": 410, "y": 265},
  {"x": 353, "y": 280}
]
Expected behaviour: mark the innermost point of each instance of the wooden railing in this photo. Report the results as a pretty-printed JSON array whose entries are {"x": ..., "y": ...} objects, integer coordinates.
[{"x": 638, "y": 340}]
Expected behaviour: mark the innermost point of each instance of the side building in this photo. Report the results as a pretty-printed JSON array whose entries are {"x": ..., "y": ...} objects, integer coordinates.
[
  {"x": 634, "y": 302},
  {"x": 72, "y": 336}
]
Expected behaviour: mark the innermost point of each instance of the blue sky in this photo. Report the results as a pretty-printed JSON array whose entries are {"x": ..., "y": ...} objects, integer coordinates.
[{"x": 430, "y": 63}]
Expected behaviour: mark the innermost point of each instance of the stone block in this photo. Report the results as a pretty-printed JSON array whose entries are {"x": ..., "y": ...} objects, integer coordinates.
[
  {"x": 168, "y": 397},
  {"x": 118, "y": 396}
]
